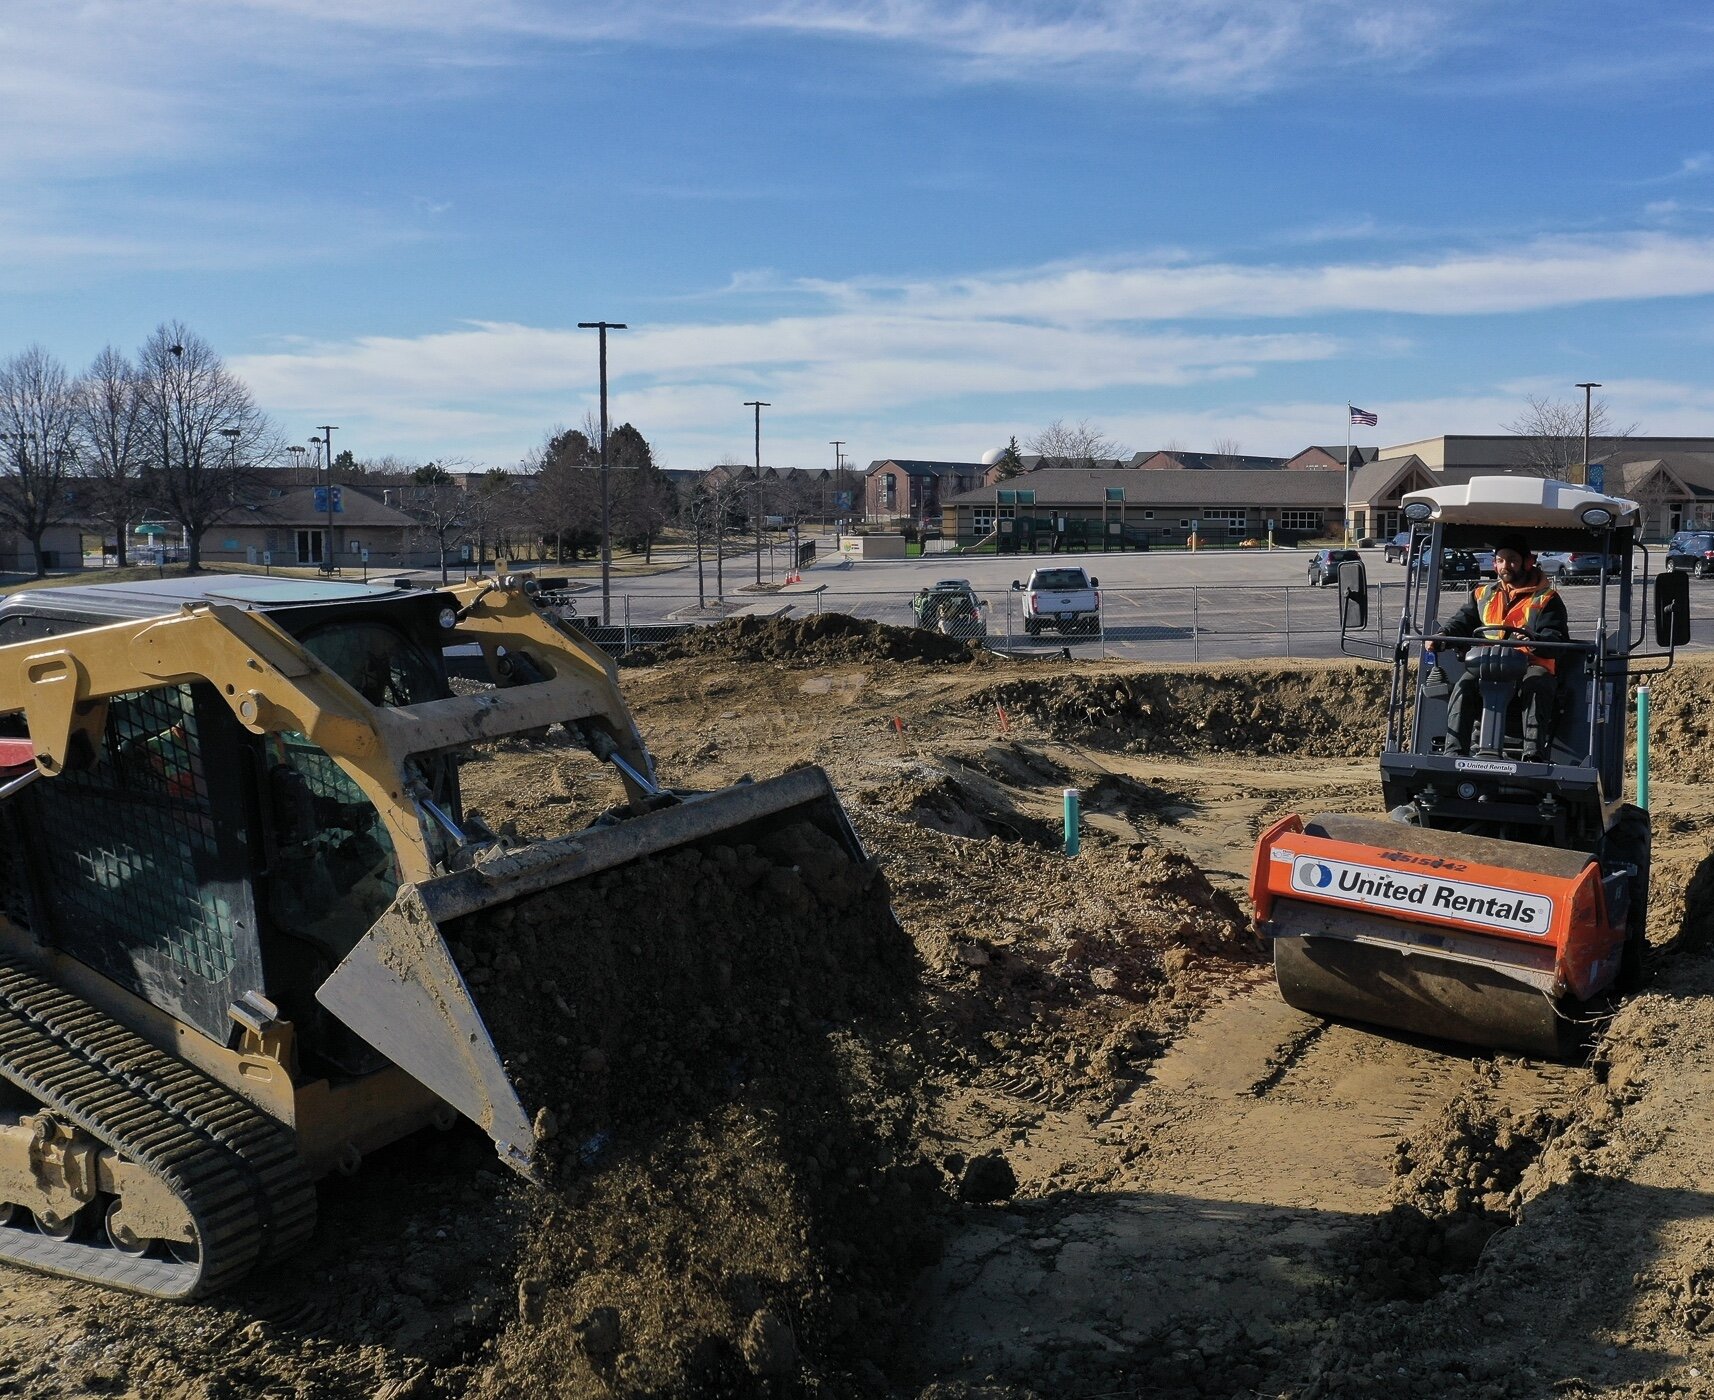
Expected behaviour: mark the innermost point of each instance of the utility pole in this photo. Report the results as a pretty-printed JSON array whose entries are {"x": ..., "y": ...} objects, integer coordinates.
[
  {"x": 330, "y": 563},
  {"x": 1583, "y": 476},
  {"x": 606, "y": 517},
  {"x": 758, "y": 405}
]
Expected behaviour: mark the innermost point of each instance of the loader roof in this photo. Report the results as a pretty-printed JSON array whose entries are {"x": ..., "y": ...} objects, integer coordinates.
[
  {"x": 119, "y": 602},
  {"x": 1527, "y": 502}
]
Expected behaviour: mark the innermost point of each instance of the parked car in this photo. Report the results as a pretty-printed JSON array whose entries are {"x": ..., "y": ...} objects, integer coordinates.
[
  {"x": 1397, "y": 548},
  {"x": 1324, "y": 566},
  {"x": 1066, "y": 599},
  {"x": 1458, "y": 568},
  {"x": 1692, "y": 550},
  {"x": 1574, "y": 566},
  {"x": 950, "y": 606},
  {"x": 1485, "y": 563}
]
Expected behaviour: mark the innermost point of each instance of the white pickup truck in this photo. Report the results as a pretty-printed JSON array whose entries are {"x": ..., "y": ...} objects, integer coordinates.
[{"x": 1067, "y": 599}]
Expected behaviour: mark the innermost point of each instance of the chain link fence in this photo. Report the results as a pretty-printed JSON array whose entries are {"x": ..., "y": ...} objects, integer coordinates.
[{"x": 1188, "y": 623}]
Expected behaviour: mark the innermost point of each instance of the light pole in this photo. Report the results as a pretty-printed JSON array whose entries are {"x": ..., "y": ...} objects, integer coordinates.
[
  {"x": 606, "y": 519},
  {"x": 1587, "y": 390},
  {"x": 758, "y": 405},
  {"x": 297, "y": 450},
  {"x": 838, "y": 445},
  {"x": 330, "y": 563}
]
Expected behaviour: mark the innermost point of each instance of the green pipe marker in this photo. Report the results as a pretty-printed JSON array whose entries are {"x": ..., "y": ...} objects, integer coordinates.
[
  {"x": 1643, "y": 747},
  {"x": 1073, "y": 821}
]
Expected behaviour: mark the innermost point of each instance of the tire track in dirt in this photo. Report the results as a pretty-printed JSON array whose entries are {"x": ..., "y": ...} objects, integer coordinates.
[{"x": 1259, "y": 1137}]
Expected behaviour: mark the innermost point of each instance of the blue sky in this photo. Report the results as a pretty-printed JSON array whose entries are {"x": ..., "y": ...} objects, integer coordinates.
[{"x": 917, "y": 225}]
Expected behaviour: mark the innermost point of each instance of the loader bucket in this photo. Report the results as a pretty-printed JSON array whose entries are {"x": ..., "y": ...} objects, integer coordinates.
[{"x": 403, "y": 988}]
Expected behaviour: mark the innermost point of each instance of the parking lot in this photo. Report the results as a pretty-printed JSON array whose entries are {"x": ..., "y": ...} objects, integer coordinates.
[{"x": 1168, "y": 607}]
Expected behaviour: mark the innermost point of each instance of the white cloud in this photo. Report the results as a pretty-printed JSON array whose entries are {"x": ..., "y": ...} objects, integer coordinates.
[
  {"x": 912, "y": 353},
  {"x": 1546, "y": 273}
]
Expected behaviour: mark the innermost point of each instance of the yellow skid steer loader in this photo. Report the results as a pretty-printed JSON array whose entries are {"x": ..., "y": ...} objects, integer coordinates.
[{"x": 231, "y": 835}]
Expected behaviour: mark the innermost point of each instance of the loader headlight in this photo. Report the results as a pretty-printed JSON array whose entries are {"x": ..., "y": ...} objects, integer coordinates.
[
  {"x": 449, "y": 618},
  {"x": 1418, "y": 510},
  {"x": 1597, "y": 517},
  {"x": 1467, "y": 791}
]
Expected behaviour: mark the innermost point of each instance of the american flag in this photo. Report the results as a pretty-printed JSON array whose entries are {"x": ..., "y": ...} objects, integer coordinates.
[{"x": 1364, "y": 417}]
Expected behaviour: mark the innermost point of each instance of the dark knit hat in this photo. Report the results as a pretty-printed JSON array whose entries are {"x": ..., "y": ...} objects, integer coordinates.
[{"x": 1517, "y": 544}]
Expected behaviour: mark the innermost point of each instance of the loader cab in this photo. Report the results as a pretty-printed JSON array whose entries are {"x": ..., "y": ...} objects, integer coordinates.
[
  {"x": 1566, "y": 799},
  {"x": 193, "y": 862}
]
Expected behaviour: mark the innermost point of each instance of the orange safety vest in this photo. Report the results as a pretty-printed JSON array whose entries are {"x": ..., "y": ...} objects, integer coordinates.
[{"x": 1516, "y": 608}]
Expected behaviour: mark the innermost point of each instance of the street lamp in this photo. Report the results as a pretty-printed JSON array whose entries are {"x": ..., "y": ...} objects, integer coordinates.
[
  {"x": 1587, "y": 390},
  {"x": 297, "y": 450},
  {"x": 838, "y": 445},
  {"x": 606, "y": 519},
  {"x": 758, "y": 405},
  {"x": 330, "y": 563}
]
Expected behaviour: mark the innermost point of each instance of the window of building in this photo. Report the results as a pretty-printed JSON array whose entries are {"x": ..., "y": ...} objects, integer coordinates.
[
  {"x": 1214, "y": 517},
  {"x": 1301, "y": 520},
  {"x": 982, "y": 519},
  {"x": 1148, "y": 515}
]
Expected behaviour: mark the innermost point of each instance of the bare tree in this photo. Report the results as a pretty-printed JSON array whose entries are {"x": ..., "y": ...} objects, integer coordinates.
[
  {"x": 113, "y": 456},
  {"x": 1082, "y": 444},
  {"x": 729, "y": 490},
  {"x": 1226, "y": 452},
  {"x": 699, "y": 510},
  {"x": 491, "y": 511},
  {"x": 202, "y": 431},
  {"x": 1550, "y": 436},
  {"x": 38, "y": 423},
  {"x": 441, "y": 508}
]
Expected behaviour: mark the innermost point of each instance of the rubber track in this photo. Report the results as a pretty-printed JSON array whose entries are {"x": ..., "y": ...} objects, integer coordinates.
[{"x": 236, "y": 1169}]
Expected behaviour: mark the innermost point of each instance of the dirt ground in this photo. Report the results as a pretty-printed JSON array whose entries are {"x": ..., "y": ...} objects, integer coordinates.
[{"x": 1055, "y": 1135}]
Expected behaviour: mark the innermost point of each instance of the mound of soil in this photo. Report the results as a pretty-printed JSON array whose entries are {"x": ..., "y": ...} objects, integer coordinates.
[
  {"x": 822, "y": 640},
  {"x": 1333, "y": 712},
  {"x": 1460, "y": 1182},
  {"x": 731, "y": 1194},
  {"x": 1069, "y": 972}
]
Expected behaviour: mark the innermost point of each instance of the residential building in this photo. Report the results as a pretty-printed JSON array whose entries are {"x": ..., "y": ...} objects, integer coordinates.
[{"x": 908, "y": 491}]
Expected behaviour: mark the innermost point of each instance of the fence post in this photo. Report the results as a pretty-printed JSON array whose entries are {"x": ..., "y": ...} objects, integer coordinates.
[
  {"x": 1288, "y": 621},
  {"x": 1195, "y": 628},
  {"x": 627, "y": 646}
]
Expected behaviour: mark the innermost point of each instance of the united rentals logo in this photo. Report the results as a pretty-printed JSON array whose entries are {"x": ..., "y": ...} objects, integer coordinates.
[
  {"x": 1392, "y": 890},
  {"x": 1484, "y": 765}
]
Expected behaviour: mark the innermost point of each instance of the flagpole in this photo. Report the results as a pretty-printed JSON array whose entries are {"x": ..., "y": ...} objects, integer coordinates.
[{"x": 1347, "y": 476}]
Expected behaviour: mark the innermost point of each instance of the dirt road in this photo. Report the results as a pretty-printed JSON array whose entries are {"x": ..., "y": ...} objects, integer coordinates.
[{"x": 1211, "y": 1194}]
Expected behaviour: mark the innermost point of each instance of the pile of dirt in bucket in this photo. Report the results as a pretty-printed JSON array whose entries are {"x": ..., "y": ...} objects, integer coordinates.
[
  {"x": 822, "y": 640},
  {"x": 731, "y": 1194},
  {"x": 1333, "y": 712}
]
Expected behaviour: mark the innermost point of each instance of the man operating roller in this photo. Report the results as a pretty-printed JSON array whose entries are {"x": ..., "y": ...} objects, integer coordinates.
[{"x": 1520, "y": 603}]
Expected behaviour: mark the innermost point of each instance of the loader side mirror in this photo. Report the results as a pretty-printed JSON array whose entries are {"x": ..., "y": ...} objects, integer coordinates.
[
  {"x": 1353, "y": 596},
  {"x": 1672, "y": 608}
]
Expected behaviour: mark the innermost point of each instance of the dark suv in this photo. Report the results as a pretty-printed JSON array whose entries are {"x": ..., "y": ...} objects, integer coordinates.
[
  {"x": 1692, "y": 549},
  {"x": 1324, "y": 566}
]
